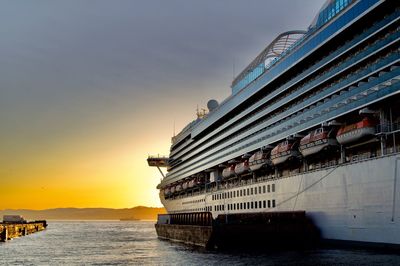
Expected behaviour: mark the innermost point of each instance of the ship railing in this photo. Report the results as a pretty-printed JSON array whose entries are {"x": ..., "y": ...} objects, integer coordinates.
[{"x": 388, "y": 128}]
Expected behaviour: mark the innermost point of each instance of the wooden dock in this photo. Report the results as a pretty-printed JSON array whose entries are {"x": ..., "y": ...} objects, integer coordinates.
[{"x": 9, "y": 231}]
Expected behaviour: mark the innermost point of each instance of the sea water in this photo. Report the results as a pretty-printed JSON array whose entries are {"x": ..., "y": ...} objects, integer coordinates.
[{"x": 136, "y": 243}]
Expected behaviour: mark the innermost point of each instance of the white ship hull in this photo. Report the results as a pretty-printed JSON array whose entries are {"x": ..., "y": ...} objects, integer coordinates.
[{"x": 354, "y": 202}]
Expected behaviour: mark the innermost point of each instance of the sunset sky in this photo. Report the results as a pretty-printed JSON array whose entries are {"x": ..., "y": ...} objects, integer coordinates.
[{"x": 89, "y": 88}]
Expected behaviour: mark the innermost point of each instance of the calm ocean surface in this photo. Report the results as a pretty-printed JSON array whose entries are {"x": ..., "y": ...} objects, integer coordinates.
[{"x": 133, "y": 243}]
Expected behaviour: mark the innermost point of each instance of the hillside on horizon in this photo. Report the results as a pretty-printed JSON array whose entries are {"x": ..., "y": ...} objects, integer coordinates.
[{"x": 139, "y": 212}]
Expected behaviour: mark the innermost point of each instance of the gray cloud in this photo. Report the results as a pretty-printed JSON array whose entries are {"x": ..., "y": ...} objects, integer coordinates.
[{"x": 76, "y": 64}]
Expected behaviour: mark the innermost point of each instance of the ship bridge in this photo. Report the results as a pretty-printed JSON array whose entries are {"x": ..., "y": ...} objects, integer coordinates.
[{"x": 158, "y": 161}]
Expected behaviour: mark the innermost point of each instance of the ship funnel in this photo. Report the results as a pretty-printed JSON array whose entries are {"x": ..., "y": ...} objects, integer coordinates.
[{"x": 212, "y": 105}]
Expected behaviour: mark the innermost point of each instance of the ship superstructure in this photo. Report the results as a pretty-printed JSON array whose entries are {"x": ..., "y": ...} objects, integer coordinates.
[{"x": 312, "y": 124}]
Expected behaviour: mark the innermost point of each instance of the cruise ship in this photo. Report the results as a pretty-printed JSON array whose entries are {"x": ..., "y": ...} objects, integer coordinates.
[{"x": 312, "y": 124}]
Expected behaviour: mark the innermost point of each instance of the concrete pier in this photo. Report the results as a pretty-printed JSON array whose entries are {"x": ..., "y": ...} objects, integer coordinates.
[
  {"x": 9, "y": 231},
  {"x": 273, "y": 229}
]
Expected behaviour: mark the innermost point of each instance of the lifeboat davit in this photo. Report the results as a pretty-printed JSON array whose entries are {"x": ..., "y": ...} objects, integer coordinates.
[
  {"x": 283, "y": 151},
  {"x": 316, "y": 141},
  {"x": 356, "y": 131},
  {"x": 258, "y": 160},
  {"x": 228, "y": 171},
  {"x": 242, "y": 168}
]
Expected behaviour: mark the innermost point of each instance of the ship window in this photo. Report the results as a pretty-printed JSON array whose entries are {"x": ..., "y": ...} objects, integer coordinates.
[
  {"x": 223, "y": 207},
  {"x": 248, "y": 192},
  {"x": 263, "y": 189},
  {"x": 237, "y": 206},
  {"x": 212, "y": 197},
  {"x": 264, "y": 204},
  {"x": 273, "y": 187},
  {"x": 251, "y": 191},
  {"x": 268, "y": 188},
  {"x": 255, "y": 190},
  {"x": 255, "y": 204},
  {"x": 229, "y": 207},
  {"x": 259, "y": 190},
  {"x": 259, "y": 204},
  {"x": 241, "y": 206},
  {"x": 248, "y": 205},
  {"x": 234, "y": 193},
  {"x": 269, "y": 204},
  {"x": 241, "y": 193},
  {"x": 273, "y": 203},
  {"x": 231, "y": 194}
]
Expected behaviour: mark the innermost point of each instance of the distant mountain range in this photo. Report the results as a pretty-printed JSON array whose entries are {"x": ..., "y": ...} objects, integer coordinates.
[{"x": 139, "y": 212}]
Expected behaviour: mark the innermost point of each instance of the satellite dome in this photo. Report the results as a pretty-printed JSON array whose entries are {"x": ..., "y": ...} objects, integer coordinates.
[{"x": 212, "y": 105}]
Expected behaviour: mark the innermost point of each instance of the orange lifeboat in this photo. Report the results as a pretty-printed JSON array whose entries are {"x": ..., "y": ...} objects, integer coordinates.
[
  {"x": 192, "y": 183},
  {"x": 228, "y": 171},
  {"x": 258, "y": 160},
  {"x": 167, "y": 191},
  {"x": 315, "y": 142},
  {"x": 242, "y": 168},
  {"x": 356, "y": 131},
  {"x": 283, "y": 151},
  {"x": 185, "y": 184}
]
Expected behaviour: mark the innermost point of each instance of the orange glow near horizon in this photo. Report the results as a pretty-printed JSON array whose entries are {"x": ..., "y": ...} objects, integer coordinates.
[{"x": 101, "y": 173}]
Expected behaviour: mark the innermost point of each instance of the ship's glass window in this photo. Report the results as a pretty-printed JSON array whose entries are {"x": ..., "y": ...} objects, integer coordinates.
[
  {"x": 251, "y": 191},
  {"x": 255, "y": 204},
  {"x": 273, "y": 187},
  {"x": 229, "y": 207},
  {"x": 237, "y": 206},
  {"x": 264, "y": 204},
  {"x": 259, "y": 190},
  {"x": 269, "y": 204},
  {"x": 255, "y": 190},
  {"x": 223, "y": 207},
  {"x": 252, "y": 205},
  {"x": 241, "y": 206},
  {"x": 259, "y": 204},
  {"x": 231, "y": 194},
  {"x": 241, "y": 193},
  {"x": 248, "y": 192},
  {"x": 273, "y": 203},
  {"x": 248, "y": 205},
  {"x": 263, "y": 189},
  {"x": 234, "y": 193},
  {"x": 268, "y": 188},
  {"x": 212, "y": 197}
]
